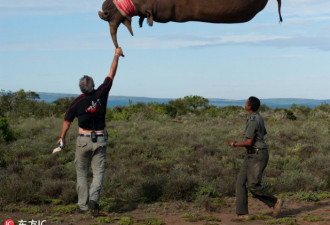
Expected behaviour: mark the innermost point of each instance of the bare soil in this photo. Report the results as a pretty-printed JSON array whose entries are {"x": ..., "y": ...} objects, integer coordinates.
[{"x": 293, "y": 212}]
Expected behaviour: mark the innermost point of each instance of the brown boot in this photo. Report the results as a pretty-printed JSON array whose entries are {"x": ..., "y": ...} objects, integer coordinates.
[
  {"x": 242, "y": 217},
  {"x": 277, "y": 207}
]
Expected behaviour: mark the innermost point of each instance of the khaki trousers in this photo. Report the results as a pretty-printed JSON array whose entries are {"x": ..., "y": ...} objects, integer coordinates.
[
  {"x": 94, "y": 154},
  {"x": 249, "y": 178}
]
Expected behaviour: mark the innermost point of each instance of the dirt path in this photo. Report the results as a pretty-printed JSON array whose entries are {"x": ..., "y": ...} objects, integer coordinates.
[{"x": 179, "y": 213}]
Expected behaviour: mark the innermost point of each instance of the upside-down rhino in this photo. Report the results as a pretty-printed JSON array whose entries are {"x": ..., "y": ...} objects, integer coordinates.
[{"x": 163, "y": 11}]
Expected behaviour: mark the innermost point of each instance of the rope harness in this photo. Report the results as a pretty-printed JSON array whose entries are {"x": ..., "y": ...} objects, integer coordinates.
[{"x": 125, "y": 7}]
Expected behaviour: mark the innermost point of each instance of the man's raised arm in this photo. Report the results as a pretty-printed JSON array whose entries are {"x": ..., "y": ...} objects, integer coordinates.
[{"x": 114, "y": 65}]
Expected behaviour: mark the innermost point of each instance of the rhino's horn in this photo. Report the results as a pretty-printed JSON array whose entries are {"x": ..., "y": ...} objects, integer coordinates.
[{"x": 127, "y": 23}]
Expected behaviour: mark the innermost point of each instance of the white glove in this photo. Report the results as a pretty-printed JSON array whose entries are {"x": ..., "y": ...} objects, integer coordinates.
[{"x": 59, "y": 147}]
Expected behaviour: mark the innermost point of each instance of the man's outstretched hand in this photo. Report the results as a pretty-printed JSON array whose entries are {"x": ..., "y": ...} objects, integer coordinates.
[{"x": 119, "y": 52}]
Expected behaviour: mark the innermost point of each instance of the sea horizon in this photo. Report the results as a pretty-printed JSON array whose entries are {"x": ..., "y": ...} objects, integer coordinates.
[{"x": 119, "y": 100}]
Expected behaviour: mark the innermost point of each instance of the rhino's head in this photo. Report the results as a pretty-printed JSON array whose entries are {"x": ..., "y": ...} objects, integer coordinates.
[{"x": 111, "y": 14}]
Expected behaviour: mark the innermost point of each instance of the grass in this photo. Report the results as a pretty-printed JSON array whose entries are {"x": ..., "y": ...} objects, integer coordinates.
[
  {"x": 65, "y": 209},
  {"x": 104, "y": 220},
  {"x": 262, "y": 216},
  {"x": 283, "y": 220},
  {"x": 191, "y": 217},
  {"x": 30, "y": 210},
  {"x": 312, "y": 218},
  {"x": 54, "y": 219},
  {"x": 125, "y": 220},
  {"x": 152, "y": 158},
  {"x": 311, "y": 196},
  {"x": 152, "y": 221}
]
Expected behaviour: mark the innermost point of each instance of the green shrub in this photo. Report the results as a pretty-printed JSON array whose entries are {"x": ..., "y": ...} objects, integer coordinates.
[
  {"x": 210, "y": 204},
  {"x": 304, "y": 110},
  {"x": 311, "y": 218},
  {"x": 16, "y": 188},
  {"x": 297, "y": 180},
  {"x": 181, "y": 186},
  {"x": 6, "y": 134},
  {"x": 323, "y": 107},
  {"x": 152, "y": 221},
  {"x": 177, "y": 107},
  {"x": 195, "y": 102},
  {"x": 264, "y": 108},
  {"x": 152, "y": 189},
  {"x": 290, "y": 115},
  {"x": 262, "y": 216},
  {"x": 104, "y": 220},
  {"x": 30, "y": 210},
  {"x": 55, "y": 219},
  {"x": 190, "y": 217},
  {"x": 117, "y": 205},
  {"x": 121, "y": 113},
  {"x": 213, "y": 111},
  {"x": 283, "y": 220},
  {"x": 311, "y": 195},
  {"x": 150, "y": 158},
  {"x": 65, "y": 209},
  {"x": 56, "y": 201},
  {"x": 69, "y": 193},
  {"x": 125, "y": 220},
  {"x": 51, "y": 188},
  {"x": 230, "y": 111},
  {"x": 209, "y": 191},
  {"x": 62, "y": 104}
]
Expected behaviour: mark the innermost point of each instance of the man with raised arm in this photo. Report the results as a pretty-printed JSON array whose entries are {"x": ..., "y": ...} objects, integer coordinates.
[{"x": 90, "y": 109}]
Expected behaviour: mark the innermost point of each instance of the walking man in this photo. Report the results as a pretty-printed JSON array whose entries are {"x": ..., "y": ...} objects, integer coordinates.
[
  {"x": 255, "y": 162},
  {"x": 90, "y": 109}
]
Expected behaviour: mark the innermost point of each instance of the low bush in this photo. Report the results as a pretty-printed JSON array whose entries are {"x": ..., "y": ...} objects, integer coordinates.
[
  {"x": 65, "y": 209},
  {"x": 6, "y": 134},
  {"x": 151, "y": 157},
  {"x": 311, "y": 195},
  {"x": 152, "y": 221},
  {"x": 125, "y": 220},
  {"x": 311, "y": 218}
]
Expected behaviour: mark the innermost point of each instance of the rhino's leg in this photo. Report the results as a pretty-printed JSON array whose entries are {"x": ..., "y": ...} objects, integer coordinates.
[
  {"x": 150, "y": 18},
  {"x": 141, "y": 21}
]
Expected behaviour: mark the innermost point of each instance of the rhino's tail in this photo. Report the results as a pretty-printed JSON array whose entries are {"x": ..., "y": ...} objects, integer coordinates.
[{"x": 279, "y": 10}]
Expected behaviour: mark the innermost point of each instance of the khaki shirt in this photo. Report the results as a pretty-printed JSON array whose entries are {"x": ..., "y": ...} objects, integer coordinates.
[{"x": 255, "y": 129}]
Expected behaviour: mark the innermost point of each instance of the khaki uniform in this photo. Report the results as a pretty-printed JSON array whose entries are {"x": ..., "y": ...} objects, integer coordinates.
[{"x": 250, "y": 174}]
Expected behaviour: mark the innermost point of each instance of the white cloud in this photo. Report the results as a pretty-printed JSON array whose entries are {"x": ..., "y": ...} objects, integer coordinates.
[
  {"x": 185, "y": 41},
  {"x": 95, "y": 42},
  {"x": 47, "y": 7},
  {"x": 285, "y": 56},
  {"x": 307, "y": 13},
  {"x": 43, "y": 7},
  {"x": 306, "y": 7}
]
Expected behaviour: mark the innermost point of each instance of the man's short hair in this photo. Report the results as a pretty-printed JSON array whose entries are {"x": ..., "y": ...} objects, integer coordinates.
[
  {"x": 86, "y": 84},
  {"x": 254, "y": 103}
]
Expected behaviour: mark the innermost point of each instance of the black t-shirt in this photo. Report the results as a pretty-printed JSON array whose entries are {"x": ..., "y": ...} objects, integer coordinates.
[{"x": 90, "y": 109}]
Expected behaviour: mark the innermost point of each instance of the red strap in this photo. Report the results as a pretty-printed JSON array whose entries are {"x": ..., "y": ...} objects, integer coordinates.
[{"x": 126, "y": 6}]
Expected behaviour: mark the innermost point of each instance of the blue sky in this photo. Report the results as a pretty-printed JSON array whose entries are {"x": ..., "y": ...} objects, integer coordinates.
[{"x": 46, "y": 46}]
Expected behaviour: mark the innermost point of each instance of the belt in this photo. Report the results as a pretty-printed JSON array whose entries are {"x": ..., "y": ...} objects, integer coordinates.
[
  {"x": 88, "y": 135},
  {"x": 254, "y": 150}
]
